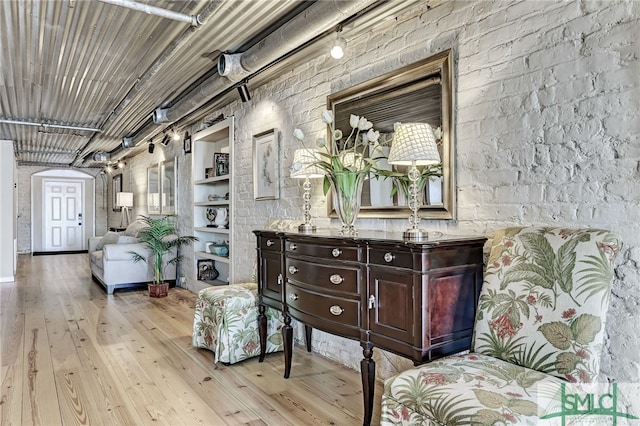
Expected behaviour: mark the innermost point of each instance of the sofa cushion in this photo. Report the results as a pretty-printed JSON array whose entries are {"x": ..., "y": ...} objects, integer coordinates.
[
  {"x": 134, "y": 229},
  {"x": 125, "y": 239},
  {"x": 96, "y": 258},
  {"x": 109, "y": 238}
]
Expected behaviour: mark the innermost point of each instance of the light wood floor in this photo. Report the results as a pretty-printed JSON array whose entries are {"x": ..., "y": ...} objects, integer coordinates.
[{"x": 70, "y": 355}]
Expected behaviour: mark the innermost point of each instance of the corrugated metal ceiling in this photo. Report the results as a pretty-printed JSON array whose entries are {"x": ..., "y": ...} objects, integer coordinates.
[{"x": 90, "y": 64}]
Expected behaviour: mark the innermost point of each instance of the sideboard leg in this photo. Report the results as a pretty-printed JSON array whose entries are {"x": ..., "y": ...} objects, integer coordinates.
[
  {"x": 307, "y": 336},
  {"x": 262, "y": 329},
  {"x": 287, "y": 339},
  {"x": 368, "y": 371}
]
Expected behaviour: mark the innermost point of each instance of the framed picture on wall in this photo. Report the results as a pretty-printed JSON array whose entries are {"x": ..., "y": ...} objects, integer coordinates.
[
  {"x": 116, "y": 186},
  {"x": 187, "y": 143},
  {"x": 266, "y": 176}
]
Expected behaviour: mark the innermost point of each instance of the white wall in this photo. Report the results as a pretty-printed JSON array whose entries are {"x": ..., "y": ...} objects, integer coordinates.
[
  {"x": 7, "y": 212},
  {"x": 547, "y": 128}
]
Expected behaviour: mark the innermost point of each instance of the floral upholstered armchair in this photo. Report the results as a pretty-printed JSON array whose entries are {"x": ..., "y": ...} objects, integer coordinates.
[{"x": 539, "y": 327}]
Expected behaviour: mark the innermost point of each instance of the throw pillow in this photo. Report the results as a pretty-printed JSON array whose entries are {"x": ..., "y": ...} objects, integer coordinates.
[
  {"x": 134, "y": 228},
  {"x": 125, "y": 239},
  {"x": 109, "y": 238}
]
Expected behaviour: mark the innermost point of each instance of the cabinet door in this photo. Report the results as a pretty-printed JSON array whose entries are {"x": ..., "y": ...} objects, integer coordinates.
[
  {"x": 392, "y": 314},
  {"x": 271, "y": 275}
]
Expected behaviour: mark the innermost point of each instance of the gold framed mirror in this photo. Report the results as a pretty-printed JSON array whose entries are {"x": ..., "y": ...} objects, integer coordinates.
[{"x": 419, "y": 92}]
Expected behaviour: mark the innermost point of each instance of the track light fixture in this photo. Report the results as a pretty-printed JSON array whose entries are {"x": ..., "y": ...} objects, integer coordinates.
[
  {"x": 339, "y": 46},
  {"x": 151, "y": 146},
  {"x": 121, "y": 164},
  {"x": 243, "y": 90},
  {"x": 165, "y": 140},
  {"x": 176, "y": 135}
]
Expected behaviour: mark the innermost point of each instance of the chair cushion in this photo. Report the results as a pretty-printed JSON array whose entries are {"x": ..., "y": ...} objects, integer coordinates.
[
  {"x": 544, "y": 299},
  {"x": 469, "y": 389},
  {"x": 134, "y": 229}
]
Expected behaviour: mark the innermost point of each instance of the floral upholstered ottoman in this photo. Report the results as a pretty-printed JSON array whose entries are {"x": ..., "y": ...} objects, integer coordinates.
[{"x": 226, "y": 322}]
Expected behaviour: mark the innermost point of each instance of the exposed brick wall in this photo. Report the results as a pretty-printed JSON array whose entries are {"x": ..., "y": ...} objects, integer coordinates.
[{"x": 546, "y": 125}]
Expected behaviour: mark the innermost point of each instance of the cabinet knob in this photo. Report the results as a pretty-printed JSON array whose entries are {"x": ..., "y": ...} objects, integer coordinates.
[
  {"x": 336, "y": 310},
  {"x": 388, "y": 257},
  {"x": 293, "y": 246},
  {"x": 293, "y": 269},
  {"x": 293, "y": 297},
  {"x": 270, "y": 243},
  {"x": 336, "y": 252},
  {"x": 336, "y": 279}
]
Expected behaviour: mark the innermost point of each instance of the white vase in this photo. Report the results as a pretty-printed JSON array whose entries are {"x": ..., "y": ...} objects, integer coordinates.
[{"x": 379, "y": 187}]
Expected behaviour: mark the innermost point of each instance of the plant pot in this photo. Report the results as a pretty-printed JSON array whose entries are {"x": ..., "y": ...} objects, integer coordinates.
[{"x": 158, "y": 290}]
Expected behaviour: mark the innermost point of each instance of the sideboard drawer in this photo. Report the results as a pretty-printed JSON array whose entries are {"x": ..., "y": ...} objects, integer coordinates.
[
  {"x": 329, "y": 308},
  {"x": 391, "y": 256},
  {"x": 336, "y": 252},
  {"x": 269, "y": 243},
  {"x": 341, "y": 279}
]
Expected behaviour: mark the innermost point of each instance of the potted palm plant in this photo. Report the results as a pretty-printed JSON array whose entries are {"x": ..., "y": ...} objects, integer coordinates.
[{"x": 160, "y": 238}]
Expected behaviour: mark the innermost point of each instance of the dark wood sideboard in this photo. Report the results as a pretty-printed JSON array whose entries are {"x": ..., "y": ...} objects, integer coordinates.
[{"x": 417, "y": 300}]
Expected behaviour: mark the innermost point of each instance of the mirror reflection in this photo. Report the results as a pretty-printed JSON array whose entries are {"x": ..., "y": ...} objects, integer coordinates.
[{"x": 422, "y": 93}]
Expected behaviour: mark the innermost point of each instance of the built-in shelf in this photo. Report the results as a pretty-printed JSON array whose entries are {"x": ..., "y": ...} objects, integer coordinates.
[{"x": 213, "y": 143}]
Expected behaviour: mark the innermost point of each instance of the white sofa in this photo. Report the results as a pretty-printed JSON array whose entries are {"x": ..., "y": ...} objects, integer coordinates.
[{"x": 111, "y": 262}]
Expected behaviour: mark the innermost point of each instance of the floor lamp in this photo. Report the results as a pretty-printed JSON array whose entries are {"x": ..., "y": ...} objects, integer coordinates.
[
  {"x": 304, "y": 167},
  {"x": 124, "y": 200}
]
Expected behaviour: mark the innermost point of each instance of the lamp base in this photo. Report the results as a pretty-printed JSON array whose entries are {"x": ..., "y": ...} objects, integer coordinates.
[
  {"x": 415, "y": 235},
  {"x": 307, "y": 228}
]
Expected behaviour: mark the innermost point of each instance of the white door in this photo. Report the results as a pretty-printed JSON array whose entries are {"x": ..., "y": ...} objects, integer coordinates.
[{"x": 63, "y": 215}]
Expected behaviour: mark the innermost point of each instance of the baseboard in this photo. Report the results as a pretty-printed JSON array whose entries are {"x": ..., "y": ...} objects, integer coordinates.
[
  {"x": 50, "y": 253},
  {"x": 7, "y": 279}
]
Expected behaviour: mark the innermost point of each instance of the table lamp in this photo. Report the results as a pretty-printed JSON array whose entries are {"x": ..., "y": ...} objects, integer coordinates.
[
  {"x": 414, "y": 144},
  {"x": 124, "y": 200},
  {"x": 304, "y": 167}
]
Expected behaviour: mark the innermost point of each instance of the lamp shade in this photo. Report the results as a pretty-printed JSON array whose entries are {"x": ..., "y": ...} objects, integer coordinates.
[
  {"x": 124, "y": 199},
  {"x": 303, "y": 164},
  {"x": 413, "y": 143}
]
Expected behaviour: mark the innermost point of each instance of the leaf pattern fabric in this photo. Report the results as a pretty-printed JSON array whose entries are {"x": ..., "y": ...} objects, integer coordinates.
[
  {"x": 226, "y": 322},
  {"x": 540, "y": 322}
]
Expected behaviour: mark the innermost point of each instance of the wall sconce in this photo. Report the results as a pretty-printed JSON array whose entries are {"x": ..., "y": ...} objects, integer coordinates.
[
  {"x": 304, "y": 167},
  {"x": 151, "y": 146},
  {"x": 243, "y": 90},
  {"x": 338, "y": 47},
  {"x": 414, "y": 144}
]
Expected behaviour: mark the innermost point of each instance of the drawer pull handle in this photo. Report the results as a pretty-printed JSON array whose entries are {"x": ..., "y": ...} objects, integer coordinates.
[
  {"x": 270, "y": 243},
  {"x": 293, "y": 270},
  {"x": 293, "y": 246},
  {"x": 336, "y": 252},
  {"x": 293, "y": 297},
  {"x": 336, "y": 279},
  {"x": 336, "y": 310},
  {"x": 279, "y": 279},
  {"x": 388, "y": 257}
]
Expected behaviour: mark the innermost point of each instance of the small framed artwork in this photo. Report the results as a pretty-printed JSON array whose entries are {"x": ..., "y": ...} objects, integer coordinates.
[
  {"x": 221, "y": 163},
  {"x": 266, "y": 176},
  {"x": 187, "y": 143},
  {"x": 207, "y": 270},
  {"x": 209, "y": 172},
  {"x": 116, "y": 186}
]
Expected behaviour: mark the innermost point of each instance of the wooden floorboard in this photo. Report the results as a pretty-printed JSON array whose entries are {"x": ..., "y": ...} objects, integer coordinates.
[{"x": 72, "y": 355}]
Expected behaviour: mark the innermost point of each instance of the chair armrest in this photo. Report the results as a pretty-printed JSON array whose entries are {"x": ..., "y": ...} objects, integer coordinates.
[
  {"x": 123, "y": 251},
  {"x": 93, "y": 243}
]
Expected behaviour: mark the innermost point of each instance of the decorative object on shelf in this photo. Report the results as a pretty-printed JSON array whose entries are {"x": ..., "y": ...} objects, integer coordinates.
[
  {"x": 221, "y": 164},
  {"x": 222, "y": 217},
  {"x": 160, "y": 238},
  {"x": 414, "y": 144},
  {"x": 266, "y": 175},
  {"x": 124, "y": 200},
  {"x": 214, "y": 197},
  {"x": 304, "y": 167},
  {"x": 187, "y": 143},
  {"x": 345, "y": 166},
  {"x": 207, "y": 270},
  {"x": 210, "y": 215},
  {"x": 209, "y": 172},
  {"x": 219, "y": 249}
]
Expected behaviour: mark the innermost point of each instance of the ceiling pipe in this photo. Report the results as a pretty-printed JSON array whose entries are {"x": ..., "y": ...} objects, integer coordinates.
[
  {"x": 194, "y": 21},
  {"x": 50, "y": 126},
  {"x": 313, "y": 21}
]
